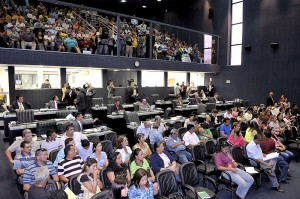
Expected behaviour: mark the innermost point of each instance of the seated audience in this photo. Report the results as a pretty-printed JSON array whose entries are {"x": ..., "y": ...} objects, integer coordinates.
[
  {"x": 119, "y": 189},
  {"x": 144, "y": 129},
  {"x": 15, "y": 146},
  {"x": 41, "y": 156},
  {"x": 161, "y": 127},
  {"x": 117, "y": 169},
  {"x": 53, "y": 104},
  {"x": 138, "y": 161},
  {"x": 248, "y": 115},
  {"x": 154, "y": 135},
  {"x": 141, "y": 186},
  {"x": 51, "y": 142},
  {"x": 236, "y": 138},
  {"x": 77, "y": 123},
  {"x": 142, "y": 145},
  {"x": 179, "y": 101},
  {"x": 123, "y": 148},
  {"x": 168, "y": 128},
  {"x": 254, "y": 151},
  {"x": 118, "y": 108},
  {"x": 196, "y": 100},
  {"x": 190, "y": 138},
  {"x": 225, "y": 162},
  {"x": 228, "y": 114},
  {"x": 225, "y": 128},
  {"x": 61, "y": 153},
  {"x": 28, "y": 39},
  {"x": 70, "y": 165},
  {"x": 100, "y": 156},
  {"x": 161, "y": 160},
  {"x": 77, "y": 136},
  {"x": 189, "y": 120},
  {"x": 204, "y": 133},
  {"x": 38, "y": 189},
  {"x": 144, "y": 106},
  {"x": 89, "y": 179},
  {"x": 85, "y": 150},
  {"x": 177, "y": 146},
  {"x": 251, "y": 131},
  {"x": 20, "y": 104}
]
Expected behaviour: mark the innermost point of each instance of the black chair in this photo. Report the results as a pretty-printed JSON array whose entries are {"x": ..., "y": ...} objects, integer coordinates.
[
  {"x": 43, "y": 126},
  {"x": 177, "y": 124},
  {"x": 167, "y": 184},
  {"x": 94, "y": 139},
  {"x": 74, "y": 184},
  {"x": 203, "y": 166},
  {"x": 220, "y": 141},
  {"x": 190, "y": 181},
  {"x": 97, "y": 101},
  {"x": 201, "y": 109},
  {"x": 154, "y": 98},
  {"x": 101, "y": 195},
  {"x": 61, "y": 126},
  {"x": 25, "y": 116},
  {"x": 63, "y": 113},
  {"x": 240, "y": 158},
  {"x": 107, "y": 147},
  {"x": 210, "y": 107},
  {"x": 104, "y": 179},
  {"x": 112, "y": 136},
  {"x": 132, "y": 117},
  {"x": 51, "y": 185},
  {"x": 109, "y": 108},
  {"x": 181, "y": 132},
  {"x": 114, "y": 98},
  {"x": 53, "y": 154},
  {"x": 214, "y": 132},
  {"x": 291, "y": 143},
  {"x": 210, "y": 148},
  {"x": 136, "y": 106}
]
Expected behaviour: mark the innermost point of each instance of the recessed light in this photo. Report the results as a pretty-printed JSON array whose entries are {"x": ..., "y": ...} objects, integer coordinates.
[
  {"x": 123, "y": 1},
  {"x": 144, "y": 6},
  {"x": 158, "y": 0}
]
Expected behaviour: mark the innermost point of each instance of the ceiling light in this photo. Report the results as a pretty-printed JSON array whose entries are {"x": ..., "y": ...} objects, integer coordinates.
[
  {"x": 123, "y": 1},
  {"x": 144, "y": 6},
  {"x": 158, "y": 0}
]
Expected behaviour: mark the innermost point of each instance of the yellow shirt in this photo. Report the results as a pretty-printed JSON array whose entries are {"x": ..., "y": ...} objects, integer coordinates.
[
  {"x": 134, "y": 42},
  {"x": 248, "y": 136}
]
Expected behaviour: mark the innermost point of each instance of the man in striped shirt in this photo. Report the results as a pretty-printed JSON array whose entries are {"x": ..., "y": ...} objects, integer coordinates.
[
  {"x": 41, "y": 160},
  {"x": 71, "y": 165}
]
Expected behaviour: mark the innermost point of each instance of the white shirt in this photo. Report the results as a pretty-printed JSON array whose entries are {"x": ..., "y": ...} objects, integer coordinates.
[
  {"x": 254, "y": 151},
  {"x": 21, "y": 107},
  {"x": 77, "y": 139},
  {"x": 190, "y": 138},
  {"x": 227, "y": 115},
  {"x": 123, "y": 153},
  {"x": 51, "y": 145},
  {"x": 142, "y": 130}
]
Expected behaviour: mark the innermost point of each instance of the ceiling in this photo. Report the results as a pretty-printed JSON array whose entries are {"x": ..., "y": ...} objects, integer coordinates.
[{"x": 153, "y": 10}]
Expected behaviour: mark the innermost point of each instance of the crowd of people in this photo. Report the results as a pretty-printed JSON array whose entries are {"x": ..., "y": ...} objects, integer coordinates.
[{"x": 27, "y": 25}]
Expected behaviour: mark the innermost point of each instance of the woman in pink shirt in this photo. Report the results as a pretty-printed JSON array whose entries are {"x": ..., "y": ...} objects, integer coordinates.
[{"x": 236, "y": 138}]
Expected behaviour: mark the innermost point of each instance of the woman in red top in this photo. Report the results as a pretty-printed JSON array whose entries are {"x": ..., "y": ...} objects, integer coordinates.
[{"x": 236, "y": 138}]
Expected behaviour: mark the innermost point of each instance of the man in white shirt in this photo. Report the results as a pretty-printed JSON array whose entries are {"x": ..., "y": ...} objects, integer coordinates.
[
  {"x": 190, "y": 138},
  {"x": 77, "y": 136},
  {"x": 51, "y": 142},
  {"x": 144, "y": 129},
  {"x": 254, "y": 151}
]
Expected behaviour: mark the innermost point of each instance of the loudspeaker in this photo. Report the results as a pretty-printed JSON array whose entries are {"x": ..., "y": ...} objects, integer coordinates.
[
  {"x": 210, "y": 13},
  {"x": 274, "y": 45},
  {"x": 247, "y": 48}
]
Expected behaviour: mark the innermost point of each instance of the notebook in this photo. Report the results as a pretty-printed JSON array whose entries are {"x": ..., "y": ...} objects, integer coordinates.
[{"x": 203, "y": 194}]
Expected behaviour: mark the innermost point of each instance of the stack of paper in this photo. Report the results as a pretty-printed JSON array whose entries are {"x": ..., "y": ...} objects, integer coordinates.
[
  {"x": 250, "y": 170},
  {"x": 271, "y": 156},
  {"x": 203, "y": 194}
]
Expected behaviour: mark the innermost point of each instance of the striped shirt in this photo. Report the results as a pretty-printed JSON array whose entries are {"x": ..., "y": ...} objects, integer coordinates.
[
  {"x": 68, "y": 168},
  {"x": 28, "y": 176},
  {"x": 21, "y": 161}
]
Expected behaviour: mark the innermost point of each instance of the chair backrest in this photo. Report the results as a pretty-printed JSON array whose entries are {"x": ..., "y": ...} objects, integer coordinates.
[
  {"x": 167, "y": 113},
  {"x": 109, "y": 108},
  {"x": 188, "y": 174},
  {"x": 210, "y": 107},
  {"x": 136, "y": 106},
  {"x": 173, "y": 104},
  {"x": 154, "y": 98},
  {"x": 97, "y": 101},
  {"x": 94, "y": 139},
  {"x": 214, "y": 132},
  {"x": 212, "y": 100},
  {"x": 53, "y": 154},
  {"x": 114, "y": 98},
  {"x": 198, "y": 152},
  {"x": 210, "y": 147},
  {"x": 167, "y": 182},
  {"x": 51, "y": 185},
  {"x": 107, "y": 147},
  {"x": 112, "y": 136},
  {"x": 104, "y": 179},
  {"x": 74, "y": 184},
  {"x": 63, "y": 114},
  {"x": 25, "y": 116},
  {"x": 181, "y": 132},
  {"x": 131, "y": 117},
  {"x": 61, "y": 126},
  {"x": 237, "y": 154},
  {"x": 43, "y": 126},
  {"x": 201, "y": 108},
  {"x": 177, "y": 124},
  {"x": 101, "y": 195},
  {"x": 220, "y": 141},
  {"x": 237, "y": 104}
]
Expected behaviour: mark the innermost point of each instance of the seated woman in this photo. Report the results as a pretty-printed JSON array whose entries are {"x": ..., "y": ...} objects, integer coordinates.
[
  {"x": 89, "y": 179},
  {"x": 225, "y": 162},
  {"x": 179, "y": 101},
  {"x": 251, "y": 131},
  {"x": 236, "y": 138},
  {"x": 161, "y": 160},
  {"x": 123, "y": 148},
  {"x": 138, "y": 161},
  {"x": 85, "y": 149},
  {"x": 142, "y": 145},
  {"x": 144, "y": 106},
  {"x": 141, "y": 186},
  {"x": 189, "y": 120},
  {"x": 117, "y": 169},
  {"x": 118, "y": 190},
  {"x": 168, "y": 128},
  {"x": 100, "y": 156}
]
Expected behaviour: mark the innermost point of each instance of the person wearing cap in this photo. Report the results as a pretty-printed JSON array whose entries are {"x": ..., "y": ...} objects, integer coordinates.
[
  {"x": 46, "y": 84},
  {"x": 190, "y": 138},
  {"x": 225, "y": 162},
  {"x": 161, "y": 127},
  {"x": 177, "y": 146}
]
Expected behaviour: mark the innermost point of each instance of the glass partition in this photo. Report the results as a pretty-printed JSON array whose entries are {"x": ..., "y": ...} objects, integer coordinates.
[
  {"x": 73, "y": 28},
  {"x": 196, "y": 79},
  {"x": 149, "y": 76},
  {"x": 4, "y": 88},
  {"x": 176, "y": 77},
  {"x": 77, "y": 77}
]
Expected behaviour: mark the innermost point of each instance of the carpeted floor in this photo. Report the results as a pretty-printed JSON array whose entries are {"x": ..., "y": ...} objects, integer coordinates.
[{"x": 8, "y": 188}]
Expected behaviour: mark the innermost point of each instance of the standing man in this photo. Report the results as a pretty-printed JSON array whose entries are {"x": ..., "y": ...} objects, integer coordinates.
[
  {"x": 90, "y": 92},
  {"x": 53, "y": 104},
  {"x": 177, "y": 89},
  {"x": 211, "y": 89},
  {"x": 182, "y": 90},
  {"x": 80, "y": 101},
  {"x": 70, "y": 96},
  {"x": 111, "y": 90},
  {"x": 270, "y": 100}
]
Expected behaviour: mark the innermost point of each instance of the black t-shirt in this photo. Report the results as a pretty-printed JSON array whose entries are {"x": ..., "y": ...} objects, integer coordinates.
[
  {"x": 38, "y": 193},
  {"x": 120, "y": 172}
]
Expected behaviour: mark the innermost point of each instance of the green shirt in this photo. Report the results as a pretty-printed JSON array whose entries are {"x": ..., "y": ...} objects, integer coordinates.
[{"x": 134, "y": 166}]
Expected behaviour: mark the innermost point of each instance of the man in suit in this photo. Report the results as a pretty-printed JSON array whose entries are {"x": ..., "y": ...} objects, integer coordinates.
[
  {"x": 19, "y": 104},
  {"x": 77, "y": 123},
  {"x": 211, "y": 89},
  {"x": 270, "y": 100},
  {"x": 70, "y": 96},
  {"x": 80, "y": 101},
  {"x": 90, "y": 92},
  {"x": 118, "y": 108},
  {"x": 53, "y": 104}
]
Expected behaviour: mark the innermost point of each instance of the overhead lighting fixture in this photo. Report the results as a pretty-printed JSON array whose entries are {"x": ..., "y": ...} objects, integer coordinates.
[
  {"x": 158, "y": 0},
  {"x": 144, "y": 6},
  {"x": 123, "y": 1}
]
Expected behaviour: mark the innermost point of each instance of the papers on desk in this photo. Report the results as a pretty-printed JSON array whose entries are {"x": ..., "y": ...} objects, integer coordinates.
[
  {"x": 203, "y": 194},
  {"x": 271, "y": 156},
  {"x": 250, "y": 170}
]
